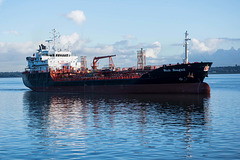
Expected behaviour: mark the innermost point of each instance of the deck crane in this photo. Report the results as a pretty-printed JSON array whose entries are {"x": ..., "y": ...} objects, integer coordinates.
[{"x": 95, "y": 60}]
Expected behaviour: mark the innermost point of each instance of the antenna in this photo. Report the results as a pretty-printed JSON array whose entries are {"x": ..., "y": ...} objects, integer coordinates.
[
  {"x": 56, "y": 35},
  {"x": 186, "y": 47}
]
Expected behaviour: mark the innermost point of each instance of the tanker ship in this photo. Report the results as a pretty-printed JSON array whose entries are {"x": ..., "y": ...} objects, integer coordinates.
[{"x": 55, "y": 70}]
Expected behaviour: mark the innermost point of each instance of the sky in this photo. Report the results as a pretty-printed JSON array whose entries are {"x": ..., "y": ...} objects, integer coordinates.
[{"x": 103, "y": 27}]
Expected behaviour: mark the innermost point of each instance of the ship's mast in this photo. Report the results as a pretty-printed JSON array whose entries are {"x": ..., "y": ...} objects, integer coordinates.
[
  {"x": 55, "y": 36},
  {"x": 186, "y": 47}
]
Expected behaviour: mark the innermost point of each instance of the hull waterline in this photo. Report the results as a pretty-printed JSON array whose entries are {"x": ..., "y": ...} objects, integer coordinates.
[{"x": 189, "y": 88}]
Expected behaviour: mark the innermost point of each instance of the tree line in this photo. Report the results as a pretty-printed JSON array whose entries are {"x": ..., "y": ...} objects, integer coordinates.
[{"x": 10, "y": 74}]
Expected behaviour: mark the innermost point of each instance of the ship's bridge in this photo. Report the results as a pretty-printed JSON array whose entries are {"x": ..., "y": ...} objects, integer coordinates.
[
  {"x": 45, "y": 59},
  {"x": 48, "y": 57},
  {"x": 54, "y": 53},
  {"x": 62, "y": 54}
]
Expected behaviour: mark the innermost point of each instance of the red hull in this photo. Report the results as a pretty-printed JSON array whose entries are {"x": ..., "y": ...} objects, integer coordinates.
[{"x": 193, "y": 88}]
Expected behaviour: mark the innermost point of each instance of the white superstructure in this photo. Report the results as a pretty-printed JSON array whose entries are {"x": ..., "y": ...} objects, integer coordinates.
[{"x": 46, "y": 58}]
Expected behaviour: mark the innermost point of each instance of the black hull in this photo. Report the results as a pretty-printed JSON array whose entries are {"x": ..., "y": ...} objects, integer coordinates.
[{"x": 182, "y": 78}]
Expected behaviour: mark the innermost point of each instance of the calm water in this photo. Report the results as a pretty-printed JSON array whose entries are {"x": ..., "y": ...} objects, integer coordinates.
[{"x": 72, "y": 126}]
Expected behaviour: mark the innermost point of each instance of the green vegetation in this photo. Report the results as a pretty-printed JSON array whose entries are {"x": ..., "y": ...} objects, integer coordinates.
[
  {"x": 10, "y": 74},
  {"x": 225, "y": 70}
]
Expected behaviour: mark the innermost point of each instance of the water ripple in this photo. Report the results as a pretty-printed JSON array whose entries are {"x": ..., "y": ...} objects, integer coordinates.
[{"x": 82, "y": 126}]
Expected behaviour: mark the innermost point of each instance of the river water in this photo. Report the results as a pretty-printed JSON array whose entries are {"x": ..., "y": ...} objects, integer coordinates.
[{"x": 75, "y": 126}]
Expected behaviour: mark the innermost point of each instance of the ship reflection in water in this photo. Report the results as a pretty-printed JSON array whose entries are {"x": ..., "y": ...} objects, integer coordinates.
[{"x": 134, "y": 125}]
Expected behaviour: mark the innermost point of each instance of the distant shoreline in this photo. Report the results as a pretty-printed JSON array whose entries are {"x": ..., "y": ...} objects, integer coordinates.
[
  {"x": 214, "y": 70},
  {"x": 10, "y": 74},
  {"x": 225, "y": 70}
]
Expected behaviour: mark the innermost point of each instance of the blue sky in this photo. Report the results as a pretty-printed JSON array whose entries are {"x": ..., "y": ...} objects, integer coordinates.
[{"x": 101, "y": 27}]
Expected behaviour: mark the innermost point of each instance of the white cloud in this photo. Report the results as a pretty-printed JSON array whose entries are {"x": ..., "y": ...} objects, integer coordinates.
[
  {"x": 130, "y": 37},
  {"x": 209, "y": 45},
  {"x": 121, "y": 44},
  {"x": 77, "y": 16},
  {"x": 16, "y": 48},
  {"x": 101, "y": 50},
  {"x": 1, "y": 2},
  {"x": 126, "y": 52},
  {"x": 12, "y": 32},
  {"x": 13, "y": 55},
  {"x": 79, "y": 45},
  {"x": 154, "y": 50},
  {"x": 73, "y": 41}
]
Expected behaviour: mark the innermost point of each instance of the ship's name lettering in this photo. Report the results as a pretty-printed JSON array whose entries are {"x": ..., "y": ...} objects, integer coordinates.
[
  {"x": 179, "y": 70},
  {"x": 166, "y": 70},
  {"x": 174, "y": 70}
]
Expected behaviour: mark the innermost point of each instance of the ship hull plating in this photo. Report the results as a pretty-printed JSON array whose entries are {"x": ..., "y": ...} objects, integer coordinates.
[
  {"x": 182, "y": 78},
  {"x": 192, "y": 88}
]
